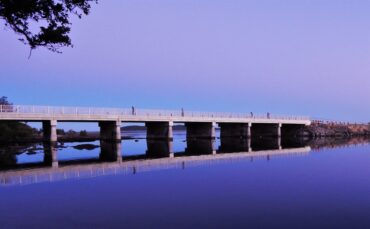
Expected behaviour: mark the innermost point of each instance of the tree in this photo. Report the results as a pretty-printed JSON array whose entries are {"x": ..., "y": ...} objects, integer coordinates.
[
  {"x": 60, "y": 132},
  {"x": 71, "y": 132},
  {"x": 51, "y": 17},
  {"x": 83, "y": 133},
  {"x": 5, "y": 105},
  {"x": 13, "y": 130},
  {"x": 4, "y": 101}
]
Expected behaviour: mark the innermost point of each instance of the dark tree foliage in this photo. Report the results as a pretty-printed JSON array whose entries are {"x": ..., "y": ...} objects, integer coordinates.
[
  {"x": 4, "y": 101},
  {"x": 43, "y": 23},
  {"x": 13, "y": 130}
]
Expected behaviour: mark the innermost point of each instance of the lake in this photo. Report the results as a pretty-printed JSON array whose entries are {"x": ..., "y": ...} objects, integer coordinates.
[{"x": 233, "y": 183}]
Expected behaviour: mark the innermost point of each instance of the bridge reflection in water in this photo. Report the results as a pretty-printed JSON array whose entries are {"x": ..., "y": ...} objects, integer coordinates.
[{"x": 159, "y": 155}]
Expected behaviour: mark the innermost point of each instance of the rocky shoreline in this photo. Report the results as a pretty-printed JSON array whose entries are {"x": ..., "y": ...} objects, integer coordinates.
[{"x": 319, "y": 129}]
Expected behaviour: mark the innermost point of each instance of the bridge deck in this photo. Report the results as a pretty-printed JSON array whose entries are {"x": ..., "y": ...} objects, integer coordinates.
[{"x": 85, "y": 114}]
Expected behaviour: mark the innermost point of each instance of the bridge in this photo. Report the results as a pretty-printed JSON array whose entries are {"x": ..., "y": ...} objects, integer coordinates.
[{"x": 159, "y": 123}]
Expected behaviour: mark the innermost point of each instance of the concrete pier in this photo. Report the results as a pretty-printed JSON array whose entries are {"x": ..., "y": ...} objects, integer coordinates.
[
  {"x": 49, "y": 128},
  {"x": 159, "y": 130},
  {"x": 200, "y": 130},
  {"x": 110, "y": 130},
  {"x": 266, "y": 130},
  {"x": 249, "y": 130},
  {"x": 241, "y": 130},
  {"x": 279, "y": 130},
  {"x": 290, "y": 130}
]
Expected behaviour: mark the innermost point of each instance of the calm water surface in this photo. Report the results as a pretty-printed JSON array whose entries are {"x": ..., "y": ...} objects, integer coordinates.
[{"x": 201, "y": 184}]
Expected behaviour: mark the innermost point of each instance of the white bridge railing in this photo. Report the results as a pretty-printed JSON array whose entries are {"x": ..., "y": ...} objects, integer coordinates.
[{"x": 93, "y": 111}]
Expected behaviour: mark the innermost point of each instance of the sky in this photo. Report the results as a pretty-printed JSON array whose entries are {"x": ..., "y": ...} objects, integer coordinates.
[{"x": 299, "y": 57}]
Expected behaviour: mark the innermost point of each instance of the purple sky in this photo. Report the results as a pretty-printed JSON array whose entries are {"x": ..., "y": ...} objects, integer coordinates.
[{"x": 282, "y": 56}]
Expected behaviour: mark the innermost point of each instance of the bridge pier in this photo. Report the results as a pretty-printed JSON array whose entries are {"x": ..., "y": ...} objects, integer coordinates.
[
  {"x": 292, "y": 130},
  {"x": 110, "y": 130},
  {"x": 266, "y": 129},
  {"x": 200, "y": 130},
  {"x": 242, "y": 130},
  {"x": 49, "y": 128},
  {"x": 159, "y": 130}
]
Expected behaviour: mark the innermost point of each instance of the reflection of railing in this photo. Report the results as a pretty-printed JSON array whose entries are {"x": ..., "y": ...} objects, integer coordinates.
[
  {"x": 50, "y": 174},
  {"x": 92, "y": 111}
]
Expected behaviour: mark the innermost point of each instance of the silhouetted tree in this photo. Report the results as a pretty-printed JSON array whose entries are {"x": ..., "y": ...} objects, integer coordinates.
[
  {"x": 60, "y": 132},
  {"x": 71, "y": 132},
  {"x": 14, "y": 130},
  {"x": 50, "y": 17},
  {"x": 4, "y": 101},
  {"x": 83, "y": 133}
]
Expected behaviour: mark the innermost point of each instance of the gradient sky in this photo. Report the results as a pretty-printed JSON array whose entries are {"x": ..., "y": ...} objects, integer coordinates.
[{"x": 279, "y": 56}]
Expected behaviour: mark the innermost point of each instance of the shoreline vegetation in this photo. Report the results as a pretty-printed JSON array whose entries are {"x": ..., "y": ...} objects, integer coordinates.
[{"x": 21, "y": 132}]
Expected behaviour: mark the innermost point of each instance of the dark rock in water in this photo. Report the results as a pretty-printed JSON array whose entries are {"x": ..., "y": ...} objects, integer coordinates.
[
  {"x": 127, "y": 137},
  {"x": 31, "y": 152},
  {"x": 85, "y": 147},
  {"x": 61, "y": 147}
]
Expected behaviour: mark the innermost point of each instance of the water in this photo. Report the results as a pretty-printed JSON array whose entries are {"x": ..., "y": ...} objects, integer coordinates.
[{"x": 203, "y": 184}]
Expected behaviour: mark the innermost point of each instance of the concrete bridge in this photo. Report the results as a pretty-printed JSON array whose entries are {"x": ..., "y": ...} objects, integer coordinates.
[{"x": 159, "y": 123}]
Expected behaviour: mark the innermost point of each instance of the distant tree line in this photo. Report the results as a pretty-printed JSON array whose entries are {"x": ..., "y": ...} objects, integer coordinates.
[{"x": 72, "y": 133}]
